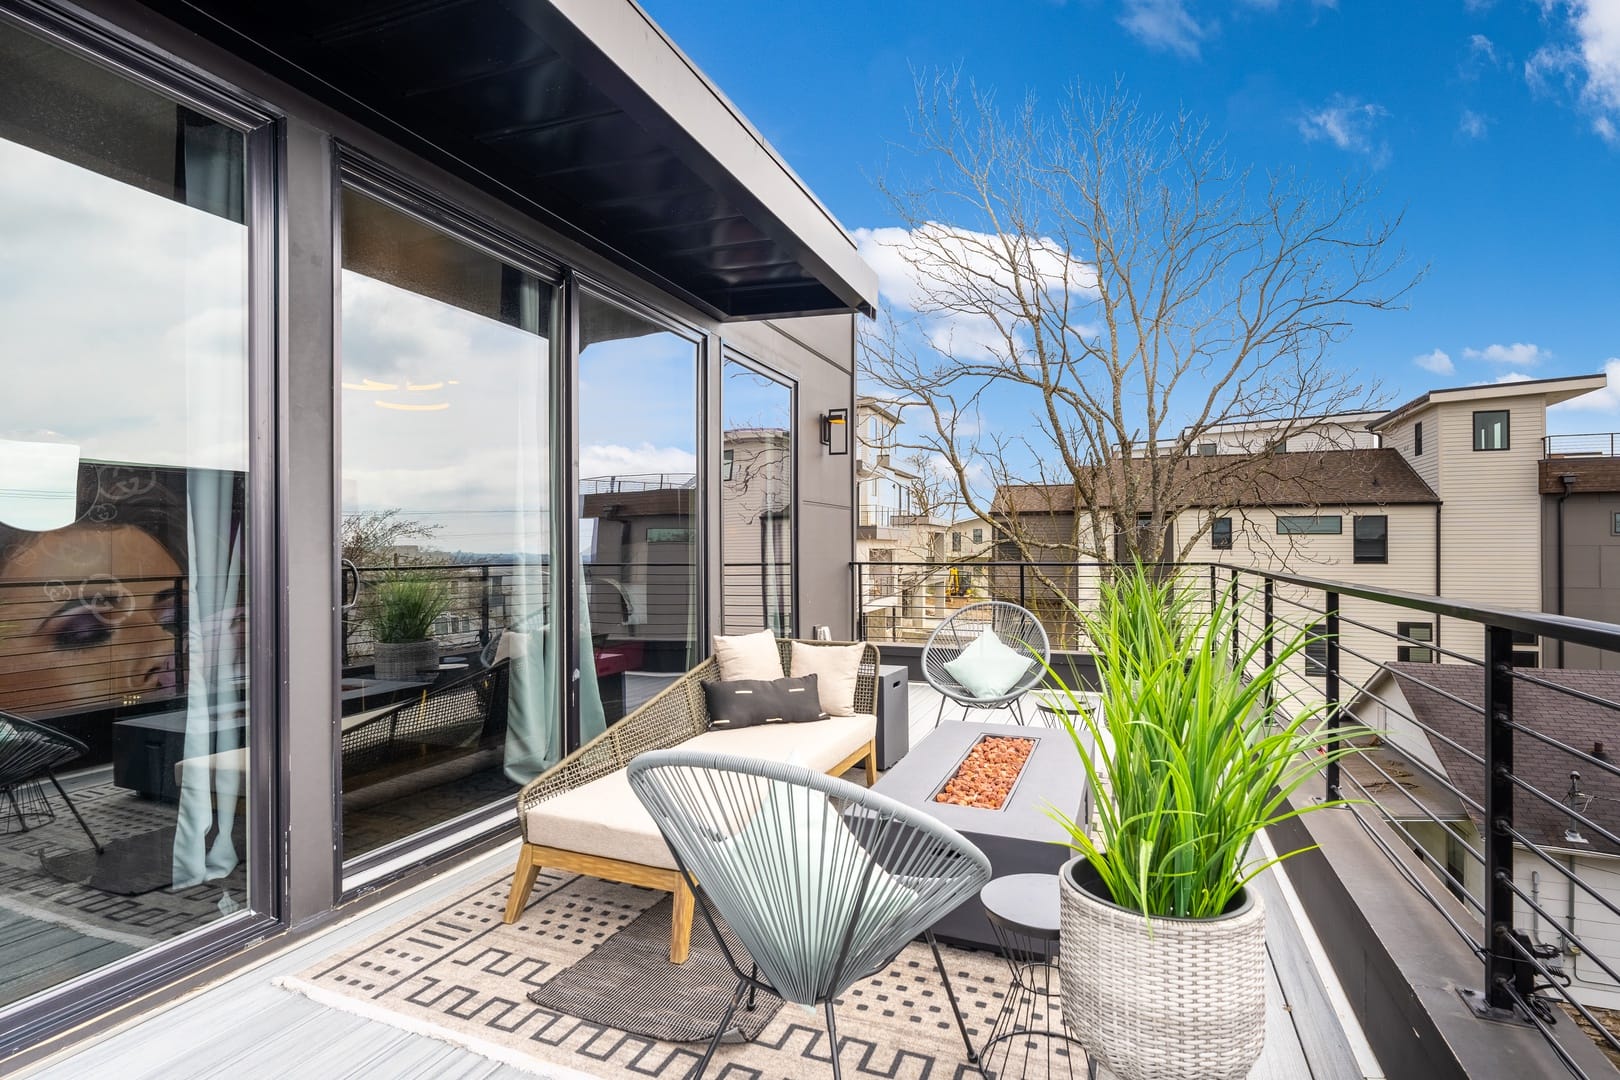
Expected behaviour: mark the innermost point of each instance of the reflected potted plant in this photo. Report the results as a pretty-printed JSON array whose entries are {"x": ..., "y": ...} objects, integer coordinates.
[
  {"x": 1163, "y": 942},
  {"x": 402, "y": 608}
]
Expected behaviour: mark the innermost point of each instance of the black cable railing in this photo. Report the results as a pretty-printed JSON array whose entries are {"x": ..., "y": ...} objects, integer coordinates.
[{"x": 1492, "y": 774}]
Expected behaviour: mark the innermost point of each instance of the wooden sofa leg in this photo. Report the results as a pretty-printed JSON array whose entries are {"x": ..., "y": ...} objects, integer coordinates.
[
  {"x": 522, "y": 883},
  {"x": 680, "y": 923},
  {"x": 871, "y": 764}
]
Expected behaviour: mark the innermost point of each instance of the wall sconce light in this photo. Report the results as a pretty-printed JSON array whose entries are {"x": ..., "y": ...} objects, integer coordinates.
[{"x": 835, "y": 431}]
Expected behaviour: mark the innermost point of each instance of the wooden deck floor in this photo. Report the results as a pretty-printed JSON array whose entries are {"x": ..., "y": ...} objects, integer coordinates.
[{"x": 244, "y": 1028}]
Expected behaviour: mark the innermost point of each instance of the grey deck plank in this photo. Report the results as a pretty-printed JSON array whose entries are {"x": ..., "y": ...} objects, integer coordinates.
[{"x": 1316, "y": 1024}]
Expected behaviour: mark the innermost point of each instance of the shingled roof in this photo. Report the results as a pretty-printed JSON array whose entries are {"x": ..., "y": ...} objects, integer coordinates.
[
  {"x": 1367, "y": 477},
  {"x": 1575, "y": 722}
]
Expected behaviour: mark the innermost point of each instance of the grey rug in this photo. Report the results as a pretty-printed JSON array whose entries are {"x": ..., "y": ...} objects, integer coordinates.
[
  {"x": 628, "y": 983},
  {"x": 129, "y": 866}
]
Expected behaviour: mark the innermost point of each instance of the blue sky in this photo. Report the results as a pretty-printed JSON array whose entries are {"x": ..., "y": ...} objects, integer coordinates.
[{"x": 1493, "y": 125}]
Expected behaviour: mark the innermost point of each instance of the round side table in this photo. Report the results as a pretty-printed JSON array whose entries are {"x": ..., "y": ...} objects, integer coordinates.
[{"x": 1023, "y": 914}]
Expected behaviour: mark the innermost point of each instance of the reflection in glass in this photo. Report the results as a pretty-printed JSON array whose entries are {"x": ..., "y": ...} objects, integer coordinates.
[
  {"x": 123, "y": 522},
  {"x": 638, "y": 529},
  {"x": 448, "y": 697},
  {"x": 756, "y": 500}
]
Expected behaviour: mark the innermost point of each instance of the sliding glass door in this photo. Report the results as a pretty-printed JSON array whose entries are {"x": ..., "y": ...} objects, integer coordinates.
[
  {"x": 448, "y": 695},
  {"x": 756, "y": 499},
  {"x": 639, "y": 509},
  {"x": 125, "y": 513}
]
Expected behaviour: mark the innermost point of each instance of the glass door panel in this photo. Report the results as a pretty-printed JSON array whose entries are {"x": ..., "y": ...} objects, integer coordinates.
[
  {"x": 756, "y": 500},
  {"x": 448, "y": 695},
  {"x": 124, "y": 521},
  {"x": 638, "y": 510}
]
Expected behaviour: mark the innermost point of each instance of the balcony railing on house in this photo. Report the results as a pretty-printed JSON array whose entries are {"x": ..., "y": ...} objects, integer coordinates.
[
  {"x": 1595, "y": 444},
  {"x": 1489, "y": 782}
]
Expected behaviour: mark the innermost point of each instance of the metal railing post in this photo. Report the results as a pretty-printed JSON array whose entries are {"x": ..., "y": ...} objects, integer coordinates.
[
  {"x": 1021, "y": 601},
  {"x": 1270, "y": 647},
  {"x": 1212, "y": 588},
  {"x": 483, "y": 608},
  {"x": 1331, "y": 692},
  {"x": 1501, "y": 957},
  {"x": 860, "y": 603},
  {"x": 1237, "y": 623}
]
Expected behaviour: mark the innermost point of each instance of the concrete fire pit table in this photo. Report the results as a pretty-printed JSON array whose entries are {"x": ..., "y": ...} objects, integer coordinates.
[{"x": 1019, "y": 838}]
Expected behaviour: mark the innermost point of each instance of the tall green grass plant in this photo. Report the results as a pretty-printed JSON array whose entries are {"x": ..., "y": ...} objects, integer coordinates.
[
  {"x": 1188, "y": 762},
  {"x": 404, "y": 605}
]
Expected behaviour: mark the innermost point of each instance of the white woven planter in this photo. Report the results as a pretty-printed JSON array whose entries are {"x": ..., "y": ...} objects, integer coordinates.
[
  {"x": 1186, "y": 1002},
  {"x": 405, "y": 659}
]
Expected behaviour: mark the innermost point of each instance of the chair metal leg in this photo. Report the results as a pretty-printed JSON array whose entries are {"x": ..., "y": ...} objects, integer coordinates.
[
  {"x": 719, "y": 1032},
  {"x": 22, "y": 822},
  {"x": 832, "y": 1038},
  {"x": 752, "y": 975},
  {"x": 75, "y": 811},
  {"x": 950, "y": 995},
  {"x": 1018, "y": 711},
  {"x": 941, "y": 714}
]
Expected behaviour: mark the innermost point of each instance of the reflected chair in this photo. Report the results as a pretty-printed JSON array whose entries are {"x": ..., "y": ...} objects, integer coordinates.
[
  {"x": 1017, "y": 627},
  {"x": 822, "y": 882},
  {"x": 471, "y": 710},
  {"x": 30, "y": 752}
]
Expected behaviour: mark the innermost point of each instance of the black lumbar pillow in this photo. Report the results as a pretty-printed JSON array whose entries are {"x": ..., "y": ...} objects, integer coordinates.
[{"x": 744, "y": 703}]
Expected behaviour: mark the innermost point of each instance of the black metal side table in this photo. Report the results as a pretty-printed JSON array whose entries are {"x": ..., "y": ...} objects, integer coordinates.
[{"x": 1023, "y": 914}]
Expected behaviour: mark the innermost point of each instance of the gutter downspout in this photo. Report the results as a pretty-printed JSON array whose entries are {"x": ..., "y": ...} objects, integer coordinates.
[{"x": 1568, "y": 480}]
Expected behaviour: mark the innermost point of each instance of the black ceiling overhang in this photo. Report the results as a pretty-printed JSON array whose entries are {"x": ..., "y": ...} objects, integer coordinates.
[{"x": 517, "y": 96}]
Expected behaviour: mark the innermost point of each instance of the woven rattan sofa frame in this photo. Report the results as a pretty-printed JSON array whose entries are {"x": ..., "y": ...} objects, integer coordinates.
[{"x": 673, "y": 715}]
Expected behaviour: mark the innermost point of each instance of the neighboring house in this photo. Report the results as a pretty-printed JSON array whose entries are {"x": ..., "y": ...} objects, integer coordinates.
[
  {"x": 892, "y": 529},
  {"x": 1479, "y": 447},
  {"x": 969, "y": 542},
  {"x": 1454, "y": 500},
  {"x": 1580, "y": 538},
  {"x": 1405, "y": 698},
  {"x": 756, "y": 521}
]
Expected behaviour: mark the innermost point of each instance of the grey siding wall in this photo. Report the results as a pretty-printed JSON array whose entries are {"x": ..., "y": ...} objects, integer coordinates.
[{"x": 1591, "y": 570}]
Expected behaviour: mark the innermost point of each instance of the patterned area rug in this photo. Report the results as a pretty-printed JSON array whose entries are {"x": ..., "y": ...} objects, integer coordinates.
[{"x": 459, "y": 974}]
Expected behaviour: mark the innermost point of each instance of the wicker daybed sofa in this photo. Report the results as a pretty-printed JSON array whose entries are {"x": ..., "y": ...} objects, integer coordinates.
[{"x": 581, "y": 816}]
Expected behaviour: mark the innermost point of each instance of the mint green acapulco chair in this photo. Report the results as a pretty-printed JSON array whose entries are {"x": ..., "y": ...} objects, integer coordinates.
[{"x": 821, "y": 881}]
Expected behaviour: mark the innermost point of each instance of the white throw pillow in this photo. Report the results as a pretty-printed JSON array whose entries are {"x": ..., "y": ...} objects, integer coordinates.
[
  {"x": 748, "y": 656},
  {"x": 987, "y": 668},
  {"x": 837, "y": 669}
]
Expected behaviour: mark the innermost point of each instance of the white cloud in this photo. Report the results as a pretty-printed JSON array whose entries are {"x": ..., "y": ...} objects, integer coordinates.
[
  {"x": 953, "y": 278},
  {"x": 1513, "y": 376},
  {"x": 1347, "y": 123},
  {"x": 1164, "y": 24},
  {"x": 1472, "y": 125},
  {"x": 1584, "y": 59},
  {"x": 1476, "y": 7},
  {"x": 1438, "y": 362},
  {"x": 1519, "y": 354},
  {"x": 1482, "y": 48},
  {"x": 1605, "y": 400},
  {"x": 597, "y": 460}
]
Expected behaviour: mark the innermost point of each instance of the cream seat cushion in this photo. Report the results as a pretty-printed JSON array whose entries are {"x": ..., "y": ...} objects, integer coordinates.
[{"x": 605, "y": 818}]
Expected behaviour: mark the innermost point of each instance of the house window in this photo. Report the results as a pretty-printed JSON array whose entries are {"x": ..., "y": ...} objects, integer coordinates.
[
  {"x": 1416, "y": 631},
  {"x": 1206, "y": 449},
  {"x": 1309, "y": 525},
  {"x": 1280, "y": 448},
  {"x": 1615, "y": 528},
  {"x": 1220, "y": 534},
  {"x": 1417, "y": 439},
  {"x": 728, "y": 460},
  {"x": 1491, "y": 430},
  {"x": 956, "y": 543},
  {"x": 1372, "y": 538},
  {"x": 978, "y": 536},
  {"x": 1316, "y": 651}
]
